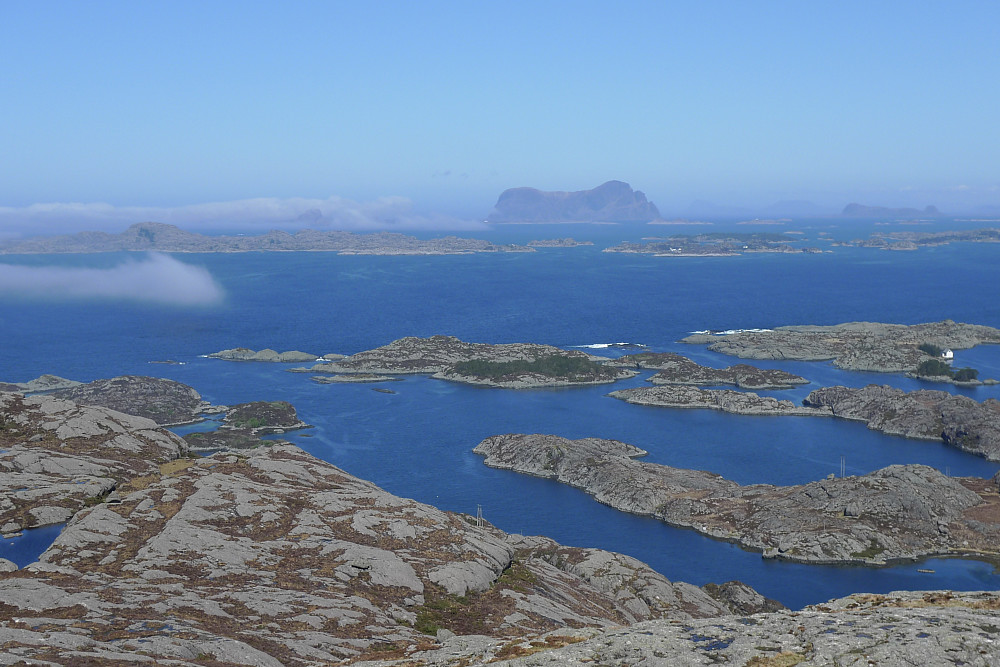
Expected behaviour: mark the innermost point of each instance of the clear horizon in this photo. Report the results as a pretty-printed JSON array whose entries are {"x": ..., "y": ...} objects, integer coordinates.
[{"x": 417, "y": 116}]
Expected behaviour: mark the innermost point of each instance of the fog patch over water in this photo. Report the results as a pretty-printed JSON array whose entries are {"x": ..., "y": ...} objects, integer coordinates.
[
  {"x": 384, "y": 213},
  {"x": 156, "y": 278}
]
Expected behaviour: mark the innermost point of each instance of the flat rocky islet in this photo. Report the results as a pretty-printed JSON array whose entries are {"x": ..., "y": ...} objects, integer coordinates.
[{"x": 903, "y": 512}]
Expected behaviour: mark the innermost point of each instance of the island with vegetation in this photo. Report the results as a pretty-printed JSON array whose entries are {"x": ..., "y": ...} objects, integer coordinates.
[{"x": 510, "y": 365}]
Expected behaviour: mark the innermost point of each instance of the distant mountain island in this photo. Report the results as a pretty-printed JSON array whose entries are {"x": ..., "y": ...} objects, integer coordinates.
[
  {"x": 613, "y": 201},
  {"x": 862, "y": 211},
  {"x": 168, "y": 238}
]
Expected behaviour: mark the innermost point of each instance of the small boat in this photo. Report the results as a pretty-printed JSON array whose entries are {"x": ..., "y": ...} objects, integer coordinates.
[{"x": 925, "y": 571}]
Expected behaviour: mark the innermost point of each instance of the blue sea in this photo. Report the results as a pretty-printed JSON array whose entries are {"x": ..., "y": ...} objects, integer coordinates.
[{"x": 417, "y": 441}]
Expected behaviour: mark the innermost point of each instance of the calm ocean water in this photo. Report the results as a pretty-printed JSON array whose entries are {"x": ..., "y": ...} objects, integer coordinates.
[{"x": 417, "y": 442}]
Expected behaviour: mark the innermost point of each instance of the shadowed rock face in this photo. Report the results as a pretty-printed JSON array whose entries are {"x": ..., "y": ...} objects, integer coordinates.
[
  {"x": 164, "y": 401},
  {"x": 933, "y": 415},
  {"x": 899, "y": 512},
  {"x": 859, "y": 346},
  {"x": 275, "y": 558},
  {"x": 613, "y": 201}
]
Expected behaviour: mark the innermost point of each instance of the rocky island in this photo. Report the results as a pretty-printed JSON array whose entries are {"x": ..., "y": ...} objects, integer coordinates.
[
  {"x": 156, "y": 236},
  {"x": 856, "y": 346},
  {"x": 511, "y": 365},
  {"x": 903, "y": 512},
  {"x": 958, "y": 421},
  {"x": 715, "y": 244},
  {"x": 613, "y": 201},
  {"x": 678, "y": 369},
  {"x": 267, "y": 354},
  {"x": 914, "y": 240},
  {"x": 864, "y": 211}
]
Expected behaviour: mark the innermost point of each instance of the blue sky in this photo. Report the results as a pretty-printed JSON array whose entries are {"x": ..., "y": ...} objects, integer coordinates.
[{"x": 430, "y": 109}]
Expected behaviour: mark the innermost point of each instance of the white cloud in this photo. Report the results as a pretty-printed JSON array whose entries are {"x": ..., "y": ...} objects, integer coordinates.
[
  {"x": 244, "y": 214},
  {"x": 156, "y": 278}
]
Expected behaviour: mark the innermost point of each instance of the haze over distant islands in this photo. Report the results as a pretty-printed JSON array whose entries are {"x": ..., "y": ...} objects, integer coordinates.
[{"x": 614, "y": 201}]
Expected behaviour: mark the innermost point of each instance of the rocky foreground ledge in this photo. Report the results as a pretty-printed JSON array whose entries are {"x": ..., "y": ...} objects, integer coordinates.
[
  {"x": 901, "y": 628},
  {"x": 898, "y": 513},
  {"x": 509, "y": 365},
  {"x": 857, "y": 346},
  {"x": 274, "y": 557}
]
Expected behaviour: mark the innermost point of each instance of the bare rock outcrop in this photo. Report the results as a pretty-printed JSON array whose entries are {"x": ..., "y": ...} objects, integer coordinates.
[
  {"x": 859, "y": 346},
  {"x": 164, "y": 401},
  {"x": 959, "y": 421},
  {"x": 897, "y": 513}
]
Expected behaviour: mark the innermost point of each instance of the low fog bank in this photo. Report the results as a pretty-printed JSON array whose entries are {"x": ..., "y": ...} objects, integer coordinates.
[
  {"x": 155, "y": 278},
  {"x": 245, "y": 215}
]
